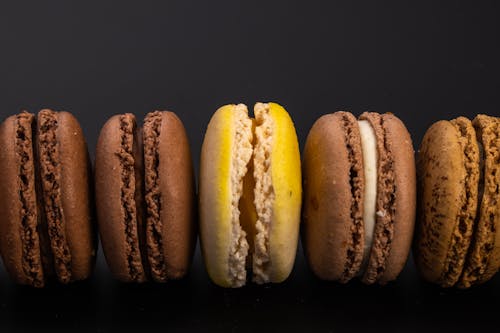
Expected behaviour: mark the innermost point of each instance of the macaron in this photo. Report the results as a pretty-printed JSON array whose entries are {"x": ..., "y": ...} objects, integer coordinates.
[
  {"x": 250, "y": 195},
  {"x": 145, "y": 197},
  {"x": 359, "y": 197},
  {"x": 46, "y": 216},
  {"x": 458, "y": 239}
]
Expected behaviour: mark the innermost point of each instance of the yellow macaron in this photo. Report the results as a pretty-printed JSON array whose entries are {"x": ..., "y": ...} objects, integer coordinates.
[{"x": 250, "y": 195}]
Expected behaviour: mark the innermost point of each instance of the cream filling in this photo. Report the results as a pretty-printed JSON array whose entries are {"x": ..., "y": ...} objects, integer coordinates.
[
  {"x": 241, "y": 153},
  {"x": 369, "y": 148}
]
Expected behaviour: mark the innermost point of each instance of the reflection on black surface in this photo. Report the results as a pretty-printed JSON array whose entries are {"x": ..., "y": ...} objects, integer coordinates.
[{"x": 301, "y": 303}]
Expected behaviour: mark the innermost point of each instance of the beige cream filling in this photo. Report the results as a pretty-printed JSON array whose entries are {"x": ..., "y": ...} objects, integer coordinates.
[
  {"x": 241, "y": 155},
  {"x": 369, "y": 148},
  {"x": 264, "y": 192}
]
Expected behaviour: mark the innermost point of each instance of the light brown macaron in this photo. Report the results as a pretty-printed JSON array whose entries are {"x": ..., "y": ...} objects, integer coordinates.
[
  {"x": 359, "y": 197},
  {"x": 46, "y": 215},
  {"x": 457, "y": 239},
  {"x": 145, "y": 197}
]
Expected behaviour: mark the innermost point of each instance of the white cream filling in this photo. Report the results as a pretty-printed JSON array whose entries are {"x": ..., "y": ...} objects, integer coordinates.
[{"x": 369, "y": 148}]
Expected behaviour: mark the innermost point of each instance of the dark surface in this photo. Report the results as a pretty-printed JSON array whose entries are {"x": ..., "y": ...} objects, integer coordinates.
[{"x": 423, "y": 62}]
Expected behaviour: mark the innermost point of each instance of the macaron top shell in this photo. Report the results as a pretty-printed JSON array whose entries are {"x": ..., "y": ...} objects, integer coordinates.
[
  {"x": 448, "y": 165},
  {"x": 287, "y": 191},
  {"x": 73, "y": 240},
  {"x": 334, "y": 197},
  {"x": 219, "y": 235},
  {"x": 396, "y": 198}
]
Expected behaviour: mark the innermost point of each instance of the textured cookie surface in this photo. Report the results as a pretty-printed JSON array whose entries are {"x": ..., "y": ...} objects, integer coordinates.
[
  {"x": 333, "y": 197},
  {"x": 448, "y": 169},
  {"x": 285, "y": 201},
  {"x": 483, "y": 259}
]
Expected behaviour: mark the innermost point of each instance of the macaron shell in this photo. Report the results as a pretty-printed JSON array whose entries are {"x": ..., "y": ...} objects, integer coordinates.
[
  {"x": 76, "y": 195},
  {"x": 328, "y": 200},
  {"x": 215, "y": 195},
  {"x": 112, "y": 228},
  {"x": 11, "y": 240},
  {"x": 400, "y": 145},
  {"x": 287, "y": 186},
  {"x": 177, "y": 214},
  {"x": 442, "y": 177},
  {"x": 483, "y": 259}
]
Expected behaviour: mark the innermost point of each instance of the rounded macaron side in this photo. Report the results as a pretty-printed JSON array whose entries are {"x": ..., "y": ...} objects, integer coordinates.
[
  {"x": 118, "y": 187},
  {"x": 223, "y": 240},
  {"x": 75, "y": 197},
  {"x": 483, "y": 260}
]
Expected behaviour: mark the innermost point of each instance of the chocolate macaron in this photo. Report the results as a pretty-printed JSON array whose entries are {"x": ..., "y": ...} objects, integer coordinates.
[
  {"x": 46, "y": 220},
  {"x": 458, "y": 238},
  {"x": 145, "y": 197},
  {"x": 359, "y": 197}
]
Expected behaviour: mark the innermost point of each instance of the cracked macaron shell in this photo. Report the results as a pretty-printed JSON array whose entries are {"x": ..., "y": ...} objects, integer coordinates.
[
  {"x": 333, "y": 233},
  {"x": 76, "y": 196}
]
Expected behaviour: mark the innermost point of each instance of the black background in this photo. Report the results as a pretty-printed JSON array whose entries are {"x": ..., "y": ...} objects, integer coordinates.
[{"x": 421, "y": 61}]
